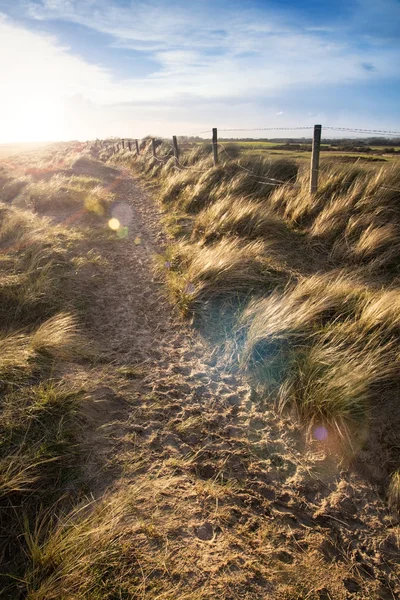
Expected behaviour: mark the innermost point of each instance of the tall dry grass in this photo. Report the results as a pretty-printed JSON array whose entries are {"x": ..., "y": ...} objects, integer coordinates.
[{"x": 41, "y": 301}]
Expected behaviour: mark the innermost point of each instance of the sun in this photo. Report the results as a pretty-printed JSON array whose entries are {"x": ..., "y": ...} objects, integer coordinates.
[{"x": 32, "y": 116}]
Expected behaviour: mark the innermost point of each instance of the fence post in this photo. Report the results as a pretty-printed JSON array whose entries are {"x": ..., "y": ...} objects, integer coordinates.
[
  {"x": 137, "y": 147},
  {"x": 176, "y": 149},
  {"x": 123, "y": 144},
  {"x": 215, "y": 145},
  {"x": 129, "y": 145},
  {"x": 316, "y": 144},
  {"x": 153, "y": 146}
]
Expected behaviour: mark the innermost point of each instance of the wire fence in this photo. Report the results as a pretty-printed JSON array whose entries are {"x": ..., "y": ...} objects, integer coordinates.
[
  {"x": 268, "y": 180},
  {"x": 217, "y": 146},
  {"x": 309, "y": 127}
]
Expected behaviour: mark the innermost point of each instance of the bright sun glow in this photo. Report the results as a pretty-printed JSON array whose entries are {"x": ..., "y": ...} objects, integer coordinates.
[
  {"x": 43, "y": 88},
  {"x": 114, "y": 224},
  {"x": 33, "y": 117}
]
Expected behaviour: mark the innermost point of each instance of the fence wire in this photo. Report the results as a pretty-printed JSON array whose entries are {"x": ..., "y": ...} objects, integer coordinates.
[
  {"x": 375, "y": 131},
  {"x": 267, "y": 180},
  {"x": 262, "y": 129},
  {"x": 184, "y": 168},
  {"x": 330, "y": 127},
  {"x": 257, "y": 178}
]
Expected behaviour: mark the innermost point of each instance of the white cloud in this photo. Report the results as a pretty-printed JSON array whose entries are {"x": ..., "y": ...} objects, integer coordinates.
[
  {"x": 196, "y": 58},
  {"x": 202, "y": 71}
]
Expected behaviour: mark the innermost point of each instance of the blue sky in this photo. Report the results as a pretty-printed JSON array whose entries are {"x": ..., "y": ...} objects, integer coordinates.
[{"x": 95, "y": 68}]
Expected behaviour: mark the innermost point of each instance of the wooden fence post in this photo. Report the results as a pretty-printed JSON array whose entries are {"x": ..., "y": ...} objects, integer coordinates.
[
  {"x": 176, "y": 149},
  {"x": 316, "y": 145},
  {"x": 153, "y": 146},
  {"x": 129, "y": 145},
  {"x": 137, "y": 147},
  {"x": 215, "y": 145},
  {"x": 123, "y": 144}
]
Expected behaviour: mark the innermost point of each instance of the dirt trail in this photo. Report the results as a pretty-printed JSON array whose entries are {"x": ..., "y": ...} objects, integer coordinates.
[{"x": 243, "y": 506}]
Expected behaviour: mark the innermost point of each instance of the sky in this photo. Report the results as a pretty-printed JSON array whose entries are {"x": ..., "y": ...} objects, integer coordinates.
[{"x": 86, "y": 69}]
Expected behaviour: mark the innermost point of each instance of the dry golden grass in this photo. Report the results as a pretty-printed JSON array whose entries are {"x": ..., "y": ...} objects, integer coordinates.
[
  {"x": 129, "y": 546},
  {"x": 40, "y": 299},
  {"x": 286, "y": 323},
  {"x": 34, "y": 260},
  {"x": 59, "y": 337},
  {"x": 231, "y": 216}
]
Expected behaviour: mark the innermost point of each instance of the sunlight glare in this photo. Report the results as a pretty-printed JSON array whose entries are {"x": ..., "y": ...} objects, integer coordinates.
[
  {"x": 114, "y": 224},
  {"x": 32, "y": 116}
]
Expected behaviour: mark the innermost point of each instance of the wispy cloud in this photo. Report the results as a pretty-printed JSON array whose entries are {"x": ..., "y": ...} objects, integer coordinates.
[
  {"x": 247, "y": 58},
  {"x": 193, "y": 57}
]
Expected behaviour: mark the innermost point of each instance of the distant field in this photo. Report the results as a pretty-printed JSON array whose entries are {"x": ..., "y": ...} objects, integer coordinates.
[
  {"x": 17, "y": 148},
  {"x": 374, "y": 154}
]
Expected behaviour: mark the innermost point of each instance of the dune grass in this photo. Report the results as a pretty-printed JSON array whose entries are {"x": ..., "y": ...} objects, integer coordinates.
[
  {"x": 41, "y": 296},
  {"x": 37, "y": 418}
]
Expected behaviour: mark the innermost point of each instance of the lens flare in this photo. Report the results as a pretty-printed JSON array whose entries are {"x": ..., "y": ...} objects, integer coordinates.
[
  {"x": 320, "y": 433},
  {"x": 122, "y": 232},
  {"x": 114, "y": 224}
]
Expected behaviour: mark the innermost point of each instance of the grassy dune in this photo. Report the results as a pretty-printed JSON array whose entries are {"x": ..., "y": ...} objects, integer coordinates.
[
  {"x": 300, "y": 291},
  {"x": 43, "y": 292}
]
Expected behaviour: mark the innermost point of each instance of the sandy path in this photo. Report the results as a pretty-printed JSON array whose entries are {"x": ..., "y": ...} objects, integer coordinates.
[{"x": 190, "y": 423}]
